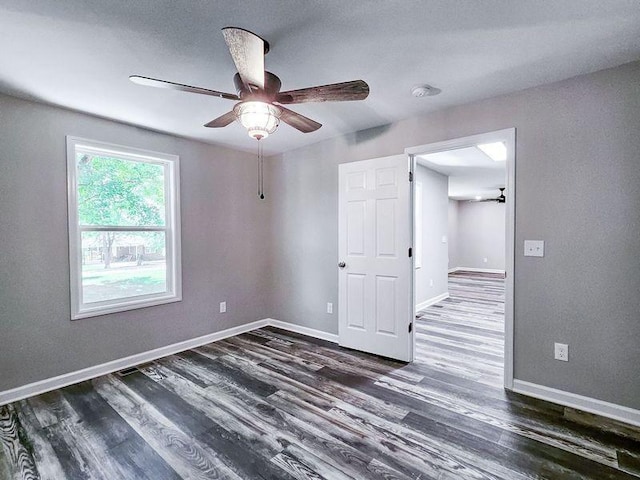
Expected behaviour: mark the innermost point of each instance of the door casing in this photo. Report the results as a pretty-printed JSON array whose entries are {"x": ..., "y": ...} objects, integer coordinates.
[{"x": 508, "y": 136}]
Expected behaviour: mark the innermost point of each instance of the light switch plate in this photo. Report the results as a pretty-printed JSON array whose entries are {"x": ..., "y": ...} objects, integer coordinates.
[{"x": 534, "y": 248}]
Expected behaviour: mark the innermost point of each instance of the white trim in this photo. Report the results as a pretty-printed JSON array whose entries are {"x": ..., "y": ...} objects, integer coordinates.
[
  {"x": 461, "y": 142},
  {"x": 587, "y": 404},
  {"x": 310, "y": 332},
  {"x": 418, "y": 226},
  {"x": 579, "y": 402},
  {"x": 141, "y": 301},
  {"x": 60, "y": 381},
  {"x": 431, "y": 301},
  {"x": 414, "y": 241},
  {"x": 473, "y": 269},
  {"x": 507, "y": 135},
  {"x": 88, "y": 373},
  {"x": 510, "y": 258}
]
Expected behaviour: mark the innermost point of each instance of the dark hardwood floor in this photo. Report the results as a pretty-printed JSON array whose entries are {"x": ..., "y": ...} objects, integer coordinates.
[{"x": 276, "y": 405}]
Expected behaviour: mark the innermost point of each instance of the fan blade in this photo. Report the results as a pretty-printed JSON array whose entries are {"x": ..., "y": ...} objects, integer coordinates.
[
  {"x": 247, "y": 51},
  {"x": 297, "y": 121},
  {"x": 154, "y": 82},
  {"x": 337, "y": 92},
  {"x": 222, "y": 121}
]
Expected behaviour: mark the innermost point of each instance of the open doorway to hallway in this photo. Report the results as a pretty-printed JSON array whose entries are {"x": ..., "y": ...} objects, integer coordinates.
[
  {"x": 464, "y": 334},
  {"x": 463, "y": 234}
]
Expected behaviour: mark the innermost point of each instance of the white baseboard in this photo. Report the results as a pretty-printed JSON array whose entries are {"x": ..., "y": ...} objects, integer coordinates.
[
  {"x": 70, "y": 378},
  {"x": 472, "y": 269},
  {"x": 579, "y": 402},
  {"x": 431, "y": 301},
  {"x": 587, "y": 404},
  {"x": 310, "y": 332}
]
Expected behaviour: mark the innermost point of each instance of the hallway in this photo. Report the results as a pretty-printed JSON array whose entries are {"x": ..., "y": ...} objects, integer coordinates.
[{"x": 464, "y": 334}]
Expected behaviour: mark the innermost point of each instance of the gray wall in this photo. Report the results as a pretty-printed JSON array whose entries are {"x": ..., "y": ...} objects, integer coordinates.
[
  {"x": 453, "y": 234},
  {"x": 224, "y": 247},
  {"x": 435, "y": 206},
  {"x": 480, "y": 234},
  {"x": 577, "y": 141}
]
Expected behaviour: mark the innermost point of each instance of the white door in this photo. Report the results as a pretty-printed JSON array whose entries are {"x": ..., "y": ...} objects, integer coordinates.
[{"x": 375, "y": 307}]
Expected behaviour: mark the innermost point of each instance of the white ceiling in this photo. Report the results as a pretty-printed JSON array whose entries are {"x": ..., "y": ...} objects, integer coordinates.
[
  {"x": 79, "y": 54},
  {"x": 471, "y": 173}
]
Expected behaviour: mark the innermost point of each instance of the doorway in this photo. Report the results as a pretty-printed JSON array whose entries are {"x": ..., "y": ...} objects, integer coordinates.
[{"x": 463, "y": 229}]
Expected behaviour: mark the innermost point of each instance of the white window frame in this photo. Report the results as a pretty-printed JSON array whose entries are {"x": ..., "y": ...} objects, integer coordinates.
[{"x": 171, "y": 229}]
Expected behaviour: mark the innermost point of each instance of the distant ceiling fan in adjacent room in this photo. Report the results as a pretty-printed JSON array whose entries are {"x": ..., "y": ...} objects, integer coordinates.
[{"x": 500, "y": 198}]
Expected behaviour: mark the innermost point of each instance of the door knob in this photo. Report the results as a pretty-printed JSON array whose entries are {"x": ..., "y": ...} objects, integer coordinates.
[{"x": 342, "y": 264}]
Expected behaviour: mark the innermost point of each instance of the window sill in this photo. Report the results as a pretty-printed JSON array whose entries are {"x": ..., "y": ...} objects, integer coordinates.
[{"x": 124, "y": 306}]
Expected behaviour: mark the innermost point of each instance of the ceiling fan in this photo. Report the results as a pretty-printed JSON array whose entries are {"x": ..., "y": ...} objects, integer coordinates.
[
  {"x": 500, "y": 198},
  {"x": 261, "y": 103}
]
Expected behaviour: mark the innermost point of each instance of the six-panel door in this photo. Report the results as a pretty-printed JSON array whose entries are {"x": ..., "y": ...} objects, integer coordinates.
[{"x": 374, "y": 239}]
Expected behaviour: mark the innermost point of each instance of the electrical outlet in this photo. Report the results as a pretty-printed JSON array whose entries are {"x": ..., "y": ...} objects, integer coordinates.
[
  {"x": 561, "y": 352},
  {"x": 223, "y": 307},
  {"x": 485, "y": 259},
  {"x": 431, "y": 282},
  {"x": 534, "y": 248},
  {"x": 329, "y": 307}
]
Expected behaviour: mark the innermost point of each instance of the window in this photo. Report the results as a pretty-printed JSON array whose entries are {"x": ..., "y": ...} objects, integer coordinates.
[{"x": 124, "y": 228}]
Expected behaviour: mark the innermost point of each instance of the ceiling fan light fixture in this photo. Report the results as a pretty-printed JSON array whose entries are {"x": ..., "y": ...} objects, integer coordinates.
[{"x": 259, "y": 118}]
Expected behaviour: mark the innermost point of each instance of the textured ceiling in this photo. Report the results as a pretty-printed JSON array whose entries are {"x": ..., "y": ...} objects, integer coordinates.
[{"x": 79, "y": 54}]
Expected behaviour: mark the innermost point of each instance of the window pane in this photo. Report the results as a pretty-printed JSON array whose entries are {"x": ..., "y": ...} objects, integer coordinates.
[
  {"x": 119, "y": 265},
  {"x": 114, "y": 191}
]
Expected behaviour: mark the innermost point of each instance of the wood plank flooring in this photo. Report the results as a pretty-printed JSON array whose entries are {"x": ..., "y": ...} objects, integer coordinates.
[
  {"x": 464, "y": 334},
  {"x": 275, "y": 405}
]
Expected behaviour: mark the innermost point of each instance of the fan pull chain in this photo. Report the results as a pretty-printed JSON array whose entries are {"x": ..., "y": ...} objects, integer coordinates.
[{"x": 260, "y": 171}]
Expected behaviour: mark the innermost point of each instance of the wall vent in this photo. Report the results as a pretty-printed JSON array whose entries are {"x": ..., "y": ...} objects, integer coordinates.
[{"x": 127, "y": 371}]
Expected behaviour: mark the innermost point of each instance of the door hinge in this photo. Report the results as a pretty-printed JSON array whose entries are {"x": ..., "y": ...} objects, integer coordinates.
[
  {"x": 410, "y": 252},
  {"x": 411, "y": 176},
  {"x": 410, "y": 327}
]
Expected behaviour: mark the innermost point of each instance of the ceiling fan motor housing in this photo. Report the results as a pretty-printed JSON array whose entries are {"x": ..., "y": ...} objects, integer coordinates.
[{"x": 272, "y": 85}]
